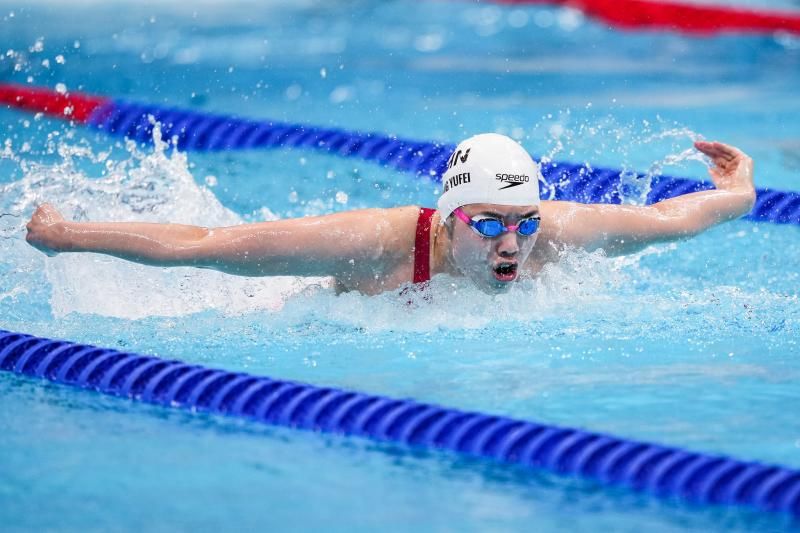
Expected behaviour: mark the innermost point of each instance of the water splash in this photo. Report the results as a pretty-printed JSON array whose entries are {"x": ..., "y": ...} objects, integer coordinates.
[
  {"x": 152, "y": 186},
  {"x": 577, "y": 295},
  {"x": 588, "y": 280},
  {"x": 606, "y": 139}
]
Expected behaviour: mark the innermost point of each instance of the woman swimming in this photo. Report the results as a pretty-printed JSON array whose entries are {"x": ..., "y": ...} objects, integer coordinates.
[{"x": 490, "y": 227}]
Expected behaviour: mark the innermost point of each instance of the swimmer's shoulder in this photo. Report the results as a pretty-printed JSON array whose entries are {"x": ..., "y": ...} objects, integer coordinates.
[
  {"x": 552, "y": 214},
  {"x": 374, "y": 217},
  {"x": 556, "y": 214},
  {"x": 401, "y": 223},
  {"x": 393, "y": 229},
  {"x": 390, "y": 235},
  {"x": 565, "y": 223},
  {"x": 396, "y": 218}
]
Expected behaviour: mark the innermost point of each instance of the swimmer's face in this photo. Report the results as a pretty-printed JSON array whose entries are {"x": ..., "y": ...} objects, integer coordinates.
[{"x": 491, "y": 263}]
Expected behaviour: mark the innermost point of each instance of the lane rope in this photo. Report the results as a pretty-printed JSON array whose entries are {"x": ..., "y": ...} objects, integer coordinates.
[
  {"x": 678, "y": 16},
  {"x": 209, "y": 132},
  {"x": 662, "y": 471}
]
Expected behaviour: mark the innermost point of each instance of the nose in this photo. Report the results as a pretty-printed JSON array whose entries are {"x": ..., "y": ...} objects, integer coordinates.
[{"x": 507, "y": 244}]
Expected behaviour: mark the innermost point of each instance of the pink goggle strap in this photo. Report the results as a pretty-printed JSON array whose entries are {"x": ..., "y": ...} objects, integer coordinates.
[{"x": 464, "y": 218}]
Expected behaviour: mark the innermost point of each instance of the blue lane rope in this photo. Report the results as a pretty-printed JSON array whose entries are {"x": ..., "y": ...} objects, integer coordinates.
[
  {"x": 575, "y": 182},
  {"x": 662, "y": 471}
]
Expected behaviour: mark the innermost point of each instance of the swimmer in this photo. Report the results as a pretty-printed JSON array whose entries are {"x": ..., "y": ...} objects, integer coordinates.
[{"x": 490, "y": 227}]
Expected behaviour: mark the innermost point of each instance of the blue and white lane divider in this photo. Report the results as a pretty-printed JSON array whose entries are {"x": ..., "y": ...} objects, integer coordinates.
[
  {"x": 662, "y": 471},
  {"x": 563, "y": 181},
  {"x": 202, "y": 131}
]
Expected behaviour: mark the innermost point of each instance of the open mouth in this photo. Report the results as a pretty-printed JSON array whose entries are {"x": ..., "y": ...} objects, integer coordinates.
[{"x": 505, "y": 271}]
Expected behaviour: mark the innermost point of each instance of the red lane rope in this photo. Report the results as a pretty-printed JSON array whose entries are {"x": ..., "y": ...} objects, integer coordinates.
[
  {"x": 689, "y": 18},
  {"x": 69, "y": 106}
]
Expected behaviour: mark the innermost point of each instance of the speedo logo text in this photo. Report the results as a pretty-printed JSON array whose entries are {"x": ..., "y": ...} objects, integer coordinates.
[{"x": 511, "y": 179}]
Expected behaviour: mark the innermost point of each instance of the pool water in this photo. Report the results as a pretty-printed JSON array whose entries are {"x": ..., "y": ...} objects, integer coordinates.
[{"x": 690, "y": 344}]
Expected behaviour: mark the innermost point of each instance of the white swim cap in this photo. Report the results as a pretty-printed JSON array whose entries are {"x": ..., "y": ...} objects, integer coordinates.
[{"x": 489, "y": 169}]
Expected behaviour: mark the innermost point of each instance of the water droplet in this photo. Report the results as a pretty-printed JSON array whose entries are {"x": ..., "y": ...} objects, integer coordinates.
[
  {"x": 518, "y": 18},
  {"x": 293, "y": 92},
  {"x": 38, "y": 46}
]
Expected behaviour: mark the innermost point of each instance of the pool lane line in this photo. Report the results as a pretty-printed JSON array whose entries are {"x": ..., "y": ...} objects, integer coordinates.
[
  {"x": 197, "y": 131},
  {"x": 662, "y": 471},
  {"x": 684, "y": 17}
]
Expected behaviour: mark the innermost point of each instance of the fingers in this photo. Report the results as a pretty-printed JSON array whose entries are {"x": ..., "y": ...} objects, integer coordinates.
[
  {"x": 726, "y": 158},
  {"x": 732, "y": 169},
  {"x": 47, "y": 214},
  {"x": 718, "y": 150}
]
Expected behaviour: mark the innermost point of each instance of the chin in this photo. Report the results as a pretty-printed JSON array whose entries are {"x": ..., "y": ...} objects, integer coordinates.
[
  {"x": 493, "y": 286},
  {"x": 486, "y": 280},
  {"x": 504, "y": 287}
]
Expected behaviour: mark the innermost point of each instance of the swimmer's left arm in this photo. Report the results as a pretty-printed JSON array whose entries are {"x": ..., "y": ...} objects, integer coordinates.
[{"x": 620, "y": 229}]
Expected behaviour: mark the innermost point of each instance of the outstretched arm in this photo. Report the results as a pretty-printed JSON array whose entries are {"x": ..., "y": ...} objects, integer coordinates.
[
  {"x": 339, "y": 245},
  {"x": 620, "y": 229}
]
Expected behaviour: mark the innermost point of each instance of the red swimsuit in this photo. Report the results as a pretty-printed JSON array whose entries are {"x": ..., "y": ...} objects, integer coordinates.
[{"x": 422, "y": 246}]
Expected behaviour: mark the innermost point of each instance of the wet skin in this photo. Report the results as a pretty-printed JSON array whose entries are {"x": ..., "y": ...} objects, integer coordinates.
[
  {"x": 372, "y": 250},
  {"x": 492, "y": 263}
]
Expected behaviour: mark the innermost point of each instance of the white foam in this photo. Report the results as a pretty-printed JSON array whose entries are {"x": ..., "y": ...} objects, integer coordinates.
[
  {"x": 588, "y": 280},
  {"x": 157, "y": 186},
  {"x": 153, "y": 187}
]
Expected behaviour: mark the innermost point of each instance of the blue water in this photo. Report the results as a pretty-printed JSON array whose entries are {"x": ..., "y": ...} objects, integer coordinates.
[{"x": 692, "y": 344}]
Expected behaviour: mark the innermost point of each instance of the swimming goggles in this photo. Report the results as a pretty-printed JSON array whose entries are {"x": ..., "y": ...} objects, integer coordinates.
[{"x": 493, "y": 227}]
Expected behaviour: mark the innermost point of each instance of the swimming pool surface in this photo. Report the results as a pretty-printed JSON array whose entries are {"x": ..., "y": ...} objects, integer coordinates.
[{"x": 690, "y": 344}]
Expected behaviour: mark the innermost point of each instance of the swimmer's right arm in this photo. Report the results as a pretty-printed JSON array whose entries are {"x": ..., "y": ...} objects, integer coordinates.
[
  {"x": 621, "y": 229},
  {"x": 339, "y": 245}
]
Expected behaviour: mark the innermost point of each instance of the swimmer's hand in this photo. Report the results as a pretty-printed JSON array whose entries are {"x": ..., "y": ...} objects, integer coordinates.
[
  {"x": 732, "y": 170},
  {"x": 46, "y": 230},
  {"x": 622, "y": 229}
]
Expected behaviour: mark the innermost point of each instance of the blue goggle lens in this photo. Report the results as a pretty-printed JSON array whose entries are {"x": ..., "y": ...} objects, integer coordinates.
[
  {"x": 529, "y": 226},
  {"x": 491, "y": 227}
]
